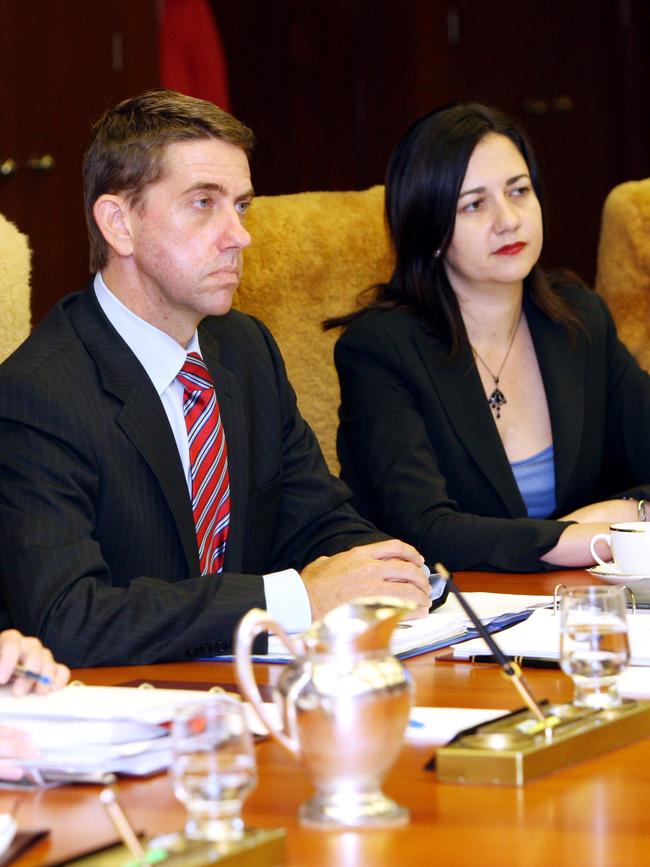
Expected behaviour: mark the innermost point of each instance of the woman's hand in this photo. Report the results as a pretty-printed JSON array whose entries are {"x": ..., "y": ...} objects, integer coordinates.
[
  {"x": 609, "y": 512},
  {"x": 573, "y": 547},
  {"x": 29, "y": 653}
]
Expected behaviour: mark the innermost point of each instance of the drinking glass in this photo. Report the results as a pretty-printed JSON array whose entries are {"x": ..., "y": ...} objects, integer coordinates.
[
  {"x": 594, "y": 646},
  {"x": 213, "y": 767}
]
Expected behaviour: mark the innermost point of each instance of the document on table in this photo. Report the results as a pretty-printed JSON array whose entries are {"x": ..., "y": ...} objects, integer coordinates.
[
  {"x": 539, "y": 638},
  {"x": 445, "y": 626},
  {"x": 438, "y": 725},
  {"x": 634, "y": 682},
  {"x": 113, "y": 708}
]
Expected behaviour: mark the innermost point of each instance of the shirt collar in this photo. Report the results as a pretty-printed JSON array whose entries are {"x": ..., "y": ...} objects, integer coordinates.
[{"x": 160, "y": 355}]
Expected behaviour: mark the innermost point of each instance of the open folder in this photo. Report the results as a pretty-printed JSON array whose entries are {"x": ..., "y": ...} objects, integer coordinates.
[
  {"x": 443, "y": 627},
  {"x": 539, "y": 638}
]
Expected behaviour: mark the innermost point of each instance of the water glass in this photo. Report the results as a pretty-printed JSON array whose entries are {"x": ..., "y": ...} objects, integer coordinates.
[
  {"x": 213, "y": 767},
  {"x": 594, "y": 647}
]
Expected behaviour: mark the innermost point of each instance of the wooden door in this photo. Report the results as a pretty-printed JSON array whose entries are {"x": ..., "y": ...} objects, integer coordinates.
[
  {"x": 329, "y": 86},
  {"x": 62, "y": 62},
  {"x": 565, "y": 71}
]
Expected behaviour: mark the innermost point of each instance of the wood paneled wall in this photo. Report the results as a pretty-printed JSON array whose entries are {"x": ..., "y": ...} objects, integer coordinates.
[{"x": 330, "y": 85}]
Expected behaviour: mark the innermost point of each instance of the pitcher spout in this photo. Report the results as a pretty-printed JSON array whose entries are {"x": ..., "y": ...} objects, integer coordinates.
[{"x": 360, "y": 626}]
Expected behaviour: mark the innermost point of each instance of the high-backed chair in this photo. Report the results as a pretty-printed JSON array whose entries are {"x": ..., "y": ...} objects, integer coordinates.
[
  {"x": 623, "y": 276},
  {"x": 312, "y": 253},
  {"x": 15, "y": 263}
]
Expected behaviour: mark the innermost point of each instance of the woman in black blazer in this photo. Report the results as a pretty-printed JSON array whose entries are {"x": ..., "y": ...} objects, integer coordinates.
[{"x": 489, "y": 415}]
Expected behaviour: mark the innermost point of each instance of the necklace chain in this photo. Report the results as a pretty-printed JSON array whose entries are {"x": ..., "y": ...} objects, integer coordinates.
[{"x": 498, "y": 398}]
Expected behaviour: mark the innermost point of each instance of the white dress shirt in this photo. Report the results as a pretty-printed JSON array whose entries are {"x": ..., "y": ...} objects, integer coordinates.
[{"x": 162, "y": 358}]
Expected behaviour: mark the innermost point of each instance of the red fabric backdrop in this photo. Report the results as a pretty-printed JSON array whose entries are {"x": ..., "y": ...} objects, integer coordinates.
[{"x": 192, "y": 59}]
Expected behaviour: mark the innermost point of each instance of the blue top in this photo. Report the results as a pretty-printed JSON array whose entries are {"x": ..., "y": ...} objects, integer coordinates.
[{"x": 535, "y": 477}]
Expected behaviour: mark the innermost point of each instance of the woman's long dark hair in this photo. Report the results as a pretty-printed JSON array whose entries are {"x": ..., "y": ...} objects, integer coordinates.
[{"x": 423, "y": 183}]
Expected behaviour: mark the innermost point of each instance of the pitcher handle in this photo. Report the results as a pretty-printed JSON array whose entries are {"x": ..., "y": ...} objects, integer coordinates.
[
  {"x": 605, "y": 538},
  {"x": 250, "y": 626}
]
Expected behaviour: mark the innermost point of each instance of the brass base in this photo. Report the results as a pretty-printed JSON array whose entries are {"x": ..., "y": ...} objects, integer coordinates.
[
  {"x": 257, "y": 848},
  {"x": 503, "y": 752}
]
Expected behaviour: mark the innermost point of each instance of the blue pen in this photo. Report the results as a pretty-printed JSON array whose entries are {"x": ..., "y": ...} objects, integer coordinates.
[{"x": 19, "y": 671}]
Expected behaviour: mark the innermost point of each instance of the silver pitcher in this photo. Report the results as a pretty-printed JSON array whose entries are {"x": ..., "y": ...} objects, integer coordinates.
[{"x": 344, "y": 702}]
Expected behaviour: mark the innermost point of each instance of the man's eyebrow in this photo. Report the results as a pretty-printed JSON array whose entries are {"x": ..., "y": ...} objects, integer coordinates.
[
  {"x": 509, "y": 182},
  {"x": 212, "y": 186}
]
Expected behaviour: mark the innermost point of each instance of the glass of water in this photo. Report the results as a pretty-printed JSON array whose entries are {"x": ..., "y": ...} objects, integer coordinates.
[
  {"x": 594, "y": 647},
  {"x": 213, "y": 768}
]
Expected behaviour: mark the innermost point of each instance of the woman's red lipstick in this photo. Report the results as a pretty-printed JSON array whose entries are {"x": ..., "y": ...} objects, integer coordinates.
[{"x": 510, "y": 249}]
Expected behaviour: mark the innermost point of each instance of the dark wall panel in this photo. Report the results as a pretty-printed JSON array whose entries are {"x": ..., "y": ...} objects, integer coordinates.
[{"x": 330, "y": 85}]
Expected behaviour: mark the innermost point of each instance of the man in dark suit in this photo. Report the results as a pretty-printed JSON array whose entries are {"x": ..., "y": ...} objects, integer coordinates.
[{"x": 99, "y": 538}]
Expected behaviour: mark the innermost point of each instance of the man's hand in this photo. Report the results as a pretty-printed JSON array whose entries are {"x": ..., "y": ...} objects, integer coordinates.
[
  {"x": 390, "y": 568},
  {"x": 29, "y": 653}
]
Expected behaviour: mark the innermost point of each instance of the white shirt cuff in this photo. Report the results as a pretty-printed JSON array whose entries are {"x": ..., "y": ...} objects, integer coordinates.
[{"x": 287, "y": 600}]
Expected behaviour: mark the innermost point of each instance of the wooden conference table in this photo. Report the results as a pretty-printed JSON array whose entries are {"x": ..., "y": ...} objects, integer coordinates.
[{"x": 595, "y": 813}]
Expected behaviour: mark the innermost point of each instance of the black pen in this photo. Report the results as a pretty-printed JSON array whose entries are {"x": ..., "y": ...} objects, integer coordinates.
[
  {"x": 522, "y": 661},
  {"x": 510, "y": 669},
  {"x": 20, "y": 671}
]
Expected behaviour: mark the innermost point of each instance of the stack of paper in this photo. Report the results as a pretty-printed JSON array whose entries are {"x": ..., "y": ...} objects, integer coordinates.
[{"x": 89, "y": 732}]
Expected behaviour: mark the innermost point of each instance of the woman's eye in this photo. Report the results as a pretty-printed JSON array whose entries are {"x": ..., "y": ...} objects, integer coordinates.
[
  {"x": 521, "y": 191},
  {"x": 471, "y": 207}
]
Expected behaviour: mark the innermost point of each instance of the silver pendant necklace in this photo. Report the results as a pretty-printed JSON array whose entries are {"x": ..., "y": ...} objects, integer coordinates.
[{"x": 498, "y": 398}]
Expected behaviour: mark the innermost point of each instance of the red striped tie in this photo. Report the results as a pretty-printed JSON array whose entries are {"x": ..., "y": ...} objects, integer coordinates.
[{"x": 208, "y": 462}]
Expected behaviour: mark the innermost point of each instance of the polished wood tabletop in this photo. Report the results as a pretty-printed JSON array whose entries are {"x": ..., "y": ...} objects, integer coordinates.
[{"x": 595, "y": 813}]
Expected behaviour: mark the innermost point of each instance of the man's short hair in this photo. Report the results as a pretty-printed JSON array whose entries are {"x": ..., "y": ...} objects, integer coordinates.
[{"x": 126, "y": 152}]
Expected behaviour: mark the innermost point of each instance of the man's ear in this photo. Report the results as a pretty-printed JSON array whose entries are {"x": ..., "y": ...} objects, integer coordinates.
[{"x": 111, "y": 214}]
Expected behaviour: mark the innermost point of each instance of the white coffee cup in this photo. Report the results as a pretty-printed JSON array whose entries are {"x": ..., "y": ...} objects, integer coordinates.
[{"x": 630, "y": 547}]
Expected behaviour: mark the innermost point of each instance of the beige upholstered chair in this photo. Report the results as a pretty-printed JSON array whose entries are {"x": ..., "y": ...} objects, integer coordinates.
[
  {"x": 312, "y": 253},
  {"x": 15, "y": 260},
  {"x": 623, "y": 277}
]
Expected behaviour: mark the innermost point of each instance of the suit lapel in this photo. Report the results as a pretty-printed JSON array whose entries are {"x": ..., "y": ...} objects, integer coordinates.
[
  {"x": 562, "y": 365},
  {"x": 141, "y": 416},
  {"x": 234, "y": 425},
  {"x": 461, "y": 393}
]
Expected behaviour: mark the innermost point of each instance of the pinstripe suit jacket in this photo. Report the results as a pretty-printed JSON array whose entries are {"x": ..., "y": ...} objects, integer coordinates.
[{"x": 98, "y": 552}]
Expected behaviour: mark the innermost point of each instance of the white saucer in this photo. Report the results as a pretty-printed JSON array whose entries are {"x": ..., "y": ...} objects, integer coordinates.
[{"x": 613, "y": 575}]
